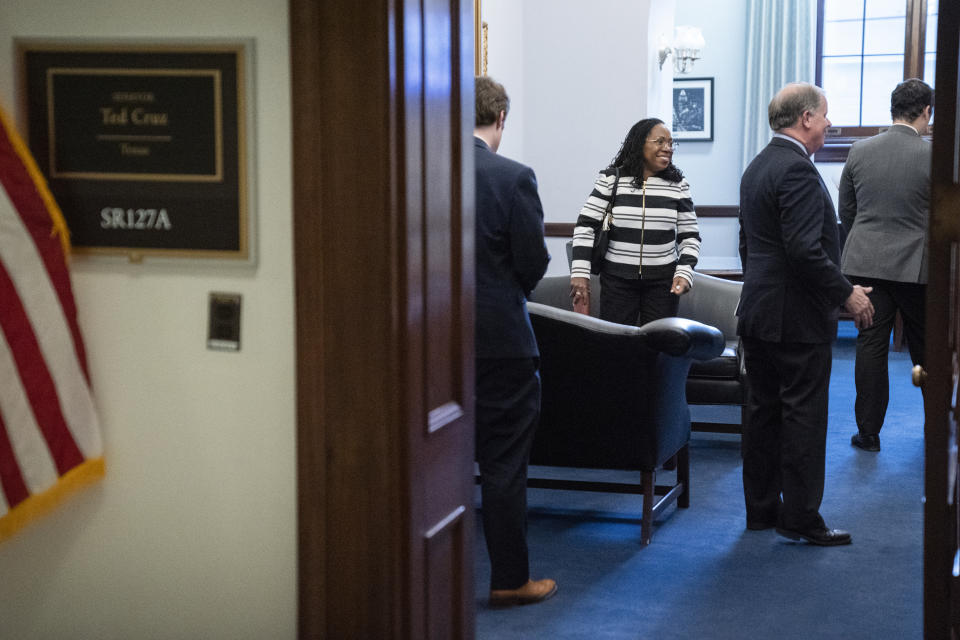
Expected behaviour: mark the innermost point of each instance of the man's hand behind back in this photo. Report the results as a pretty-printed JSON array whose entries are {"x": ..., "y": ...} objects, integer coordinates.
[{"x": 860, "y": 306}]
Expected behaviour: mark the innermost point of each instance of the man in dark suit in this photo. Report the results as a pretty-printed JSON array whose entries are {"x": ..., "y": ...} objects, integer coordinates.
[
  {"x": 511, "y": 258},
  {"x": 787, "y": 317},
  {"x": 885, "y": 203}
]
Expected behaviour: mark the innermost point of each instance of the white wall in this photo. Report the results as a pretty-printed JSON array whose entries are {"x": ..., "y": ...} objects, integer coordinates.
[
  {"x": 713, "y": 168},
  {"x": 569, "y": 114},
  {"x": 585, "y": 82},
  {"x": 192, "y": 533},
  {"x": 554, "y": 57},
  {"x": 577, "y": 81},
  {"x": 579, "y": 75},
  {"x": 659, "y": 78},
  {"x": 505, "y": 34}
]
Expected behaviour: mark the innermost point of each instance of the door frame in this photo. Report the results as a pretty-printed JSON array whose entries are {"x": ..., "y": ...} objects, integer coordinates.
[
  {"x": 941, "y": 593},
  {"x": 383, "y": 242}
]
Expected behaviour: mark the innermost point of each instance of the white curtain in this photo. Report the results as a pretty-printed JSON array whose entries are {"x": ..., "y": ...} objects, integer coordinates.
[{"x": 781, "y": 48}]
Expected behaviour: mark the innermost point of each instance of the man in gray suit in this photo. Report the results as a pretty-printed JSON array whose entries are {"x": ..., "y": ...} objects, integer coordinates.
[{"x": 884, "y": 206}]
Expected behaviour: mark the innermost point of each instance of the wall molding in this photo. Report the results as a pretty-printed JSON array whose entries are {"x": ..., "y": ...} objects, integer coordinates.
[{"x": 565, "y": 229}]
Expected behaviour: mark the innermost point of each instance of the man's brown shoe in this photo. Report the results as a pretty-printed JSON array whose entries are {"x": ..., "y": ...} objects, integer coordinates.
[{"x": 533, "y": 591}]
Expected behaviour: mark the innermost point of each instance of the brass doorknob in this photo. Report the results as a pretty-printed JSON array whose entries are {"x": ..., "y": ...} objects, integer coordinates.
[{"x": 919, "y": 376}]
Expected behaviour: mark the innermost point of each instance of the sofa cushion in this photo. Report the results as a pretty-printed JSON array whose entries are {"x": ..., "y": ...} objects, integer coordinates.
[
  {"x": 715, "y": 391},
  {"x": 724, "y": 367}
]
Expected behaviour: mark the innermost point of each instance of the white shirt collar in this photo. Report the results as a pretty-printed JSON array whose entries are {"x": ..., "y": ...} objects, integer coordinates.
[
  {"x": 794, "y": 141},
  {"x": 904, "y": 124}
]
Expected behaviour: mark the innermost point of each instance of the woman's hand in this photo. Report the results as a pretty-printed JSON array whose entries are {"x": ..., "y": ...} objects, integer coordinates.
[
  {"x": 580, "y": 293},
  {"x": 680, "y": 286}
]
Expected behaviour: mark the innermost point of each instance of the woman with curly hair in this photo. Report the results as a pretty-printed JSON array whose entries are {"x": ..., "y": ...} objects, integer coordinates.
[{"x": 654, "y": 238}]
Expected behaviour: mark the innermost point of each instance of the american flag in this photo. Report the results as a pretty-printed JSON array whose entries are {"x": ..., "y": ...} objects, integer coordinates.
[{"x": 49, "y": 433}]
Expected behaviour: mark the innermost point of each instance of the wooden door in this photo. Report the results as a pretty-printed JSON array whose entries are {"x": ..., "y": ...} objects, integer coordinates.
[
  {"x": 383, "y": 225},
  {"x": 941, "y": 539}
]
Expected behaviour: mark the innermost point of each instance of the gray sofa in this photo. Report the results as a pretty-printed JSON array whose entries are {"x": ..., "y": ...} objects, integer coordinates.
[{"x": 721, "y": 380}]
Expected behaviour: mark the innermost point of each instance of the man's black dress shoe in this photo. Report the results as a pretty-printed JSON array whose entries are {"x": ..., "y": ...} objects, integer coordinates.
[
  {"x": 867, "y": 443},
  {"x": 823, "y": 537}
]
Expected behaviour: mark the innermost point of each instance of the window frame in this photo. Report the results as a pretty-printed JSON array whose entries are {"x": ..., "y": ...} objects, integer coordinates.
[{"x": 840, "y": 139}]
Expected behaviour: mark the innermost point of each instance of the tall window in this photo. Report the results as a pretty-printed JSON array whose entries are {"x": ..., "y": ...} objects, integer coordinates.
[{"x": 864, "y": 49}]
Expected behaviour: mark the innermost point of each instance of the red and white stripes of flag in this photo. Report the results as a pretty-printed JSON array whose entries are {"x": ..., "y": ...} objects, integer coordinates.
[{"x": 50, "y": 442}]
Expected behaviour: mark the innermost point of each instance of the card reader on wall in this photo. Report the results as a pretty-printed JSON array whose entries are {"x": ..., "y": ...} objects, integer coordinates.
[{"x": 223, "y": 332}]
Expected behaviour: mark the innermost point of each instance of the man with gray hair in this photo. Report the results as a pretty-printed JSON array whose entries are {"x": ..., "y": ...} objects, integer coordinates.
[
  {"x": 787, "y": 318},
  {"x": 885, "y": 202}
]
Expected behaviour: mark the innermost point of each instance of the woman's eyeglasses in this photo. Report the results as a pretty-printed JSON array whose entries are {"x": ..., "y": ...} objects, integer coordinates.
[{"x": 665, "y": 143}]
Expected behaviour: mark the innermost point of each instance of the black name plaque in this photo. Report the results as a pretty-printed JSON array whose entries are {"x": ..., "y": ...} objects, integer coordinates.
[{"x": 144, "y": 147}]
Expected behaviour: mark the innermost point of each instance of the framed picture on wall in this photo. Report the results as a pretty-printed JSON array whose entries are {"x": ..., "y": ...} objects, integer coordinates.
[{"x": 693, "y": 109}]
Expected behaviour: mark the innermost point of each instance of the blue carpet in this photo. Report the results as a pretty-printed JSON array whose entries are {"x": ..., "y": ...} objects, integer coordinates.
[{"x": 706, "y": 576}]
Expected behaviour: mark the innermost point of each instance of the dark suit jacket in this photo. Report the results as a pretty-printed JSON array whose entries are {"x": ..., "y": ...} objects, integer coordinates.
[
  {"x": 511, "y": 254},
  {"x": 789, "y": 249},
  {"x": 885, "y": 204}
]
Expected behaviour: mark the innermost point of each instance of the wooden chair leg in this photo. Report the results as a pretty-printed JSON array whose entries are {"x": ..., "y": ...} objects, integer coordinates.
[
  {"x": 649, "y": 488},
  {"x": 683, "y": 475}
]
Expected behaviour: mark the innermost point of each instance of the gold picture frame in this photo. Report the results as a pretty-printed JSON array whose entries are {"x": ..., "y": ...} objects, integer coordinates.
[{"x": 479, "y": 41}]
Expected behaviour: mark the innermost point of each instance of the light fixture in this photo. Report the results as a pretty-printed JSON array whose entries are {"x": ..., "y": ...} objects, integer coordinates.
[{"x": 687, "y": 45}]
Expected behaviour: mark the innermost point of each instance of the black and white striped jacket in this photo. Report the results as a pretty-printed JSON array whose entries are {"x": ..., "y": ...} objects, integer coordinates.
[{"x": 653, "y": 235}]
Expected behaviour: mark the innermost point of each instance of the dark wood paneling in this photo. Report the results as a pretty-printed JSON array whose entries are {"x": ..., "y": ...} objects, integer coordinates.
[
  {"x": 915, "y": 39},
  {"x": 383, "y": 224},
  {"x": 438, "y": 154},
  {"x": 438, "y": 111},
  {"x": 718, "y": 211},
  {"x": 558, "y": 229},
  {"x": 344, "y": 216},
  {"x": 311, "y": 443},
  {"x": 940, "y": 511},
  {"x": 443, "y": 596}
]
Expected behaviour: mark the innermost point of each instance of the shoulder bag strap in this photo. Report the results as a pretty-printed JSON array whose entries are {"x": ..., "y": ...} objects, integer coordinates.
[{"x": 608, "y": 214}]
